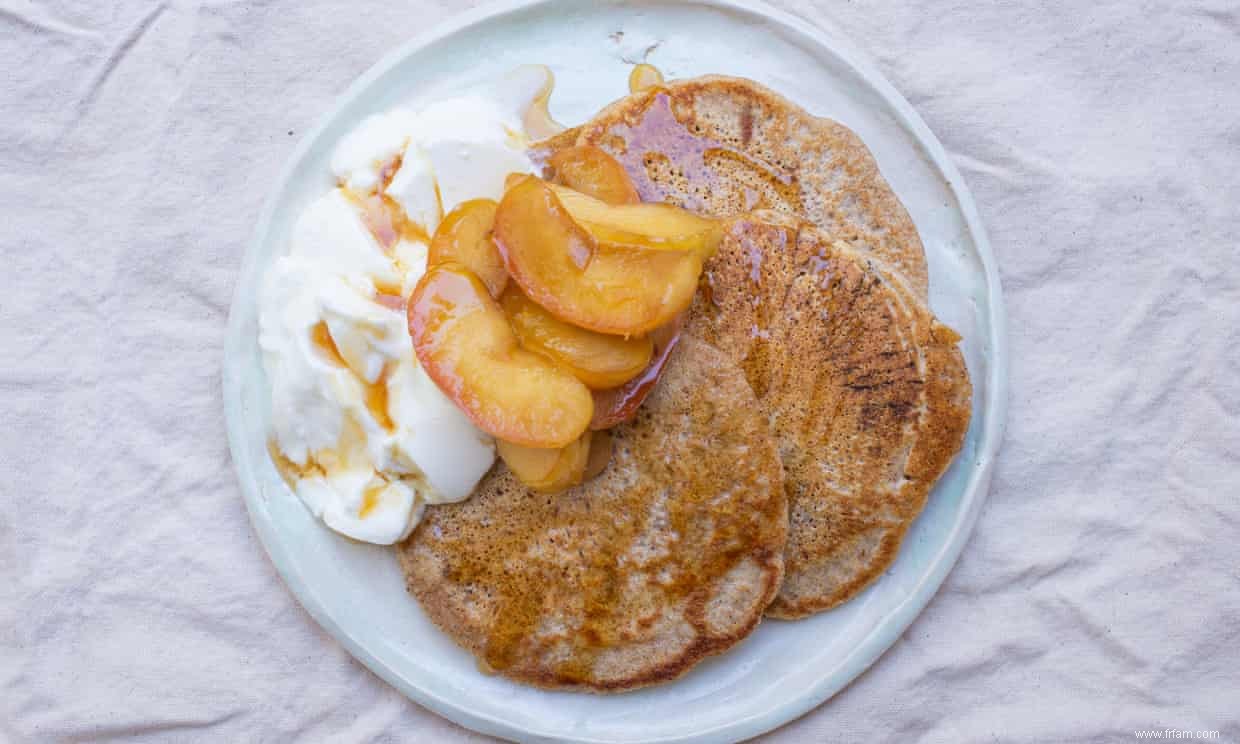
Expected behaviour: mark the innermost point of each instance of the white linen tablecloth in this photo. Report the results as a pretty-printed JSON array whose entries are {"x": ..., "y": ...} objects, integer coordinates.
[{"x": 1099, "y": 594}]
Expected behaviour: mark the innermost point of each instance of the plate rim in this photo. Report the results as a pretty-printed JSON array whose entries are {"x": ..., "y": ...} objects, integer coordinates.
[{"x": 993, "y": 410}]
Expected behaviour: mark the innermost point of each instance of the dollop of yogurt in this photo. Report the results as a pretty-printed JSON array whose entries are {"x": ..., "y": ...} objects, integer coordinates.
[
  {"x": 449, "y": 151},
  {"x": 359, "y": 431}
]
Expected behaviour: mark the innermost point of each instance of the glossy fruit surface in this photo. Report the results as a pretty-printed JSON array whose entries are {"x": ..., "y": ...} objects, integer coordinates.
[
  {"x": 619, "y": 404},
  {"x": 547, "y": 470},
  {"x": 463, "y": 340},
  {"x": 599, "y": 360},
  {"x": 559, "y": 265},
  {"x": 592, "y": 171},
  {"x": 464, "y": 236},
  {"x": 656, "y": 227}
]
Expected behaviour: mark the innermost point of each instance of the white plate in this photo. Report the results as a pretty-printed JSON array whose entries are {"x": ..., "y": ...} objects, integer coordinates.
[{"x": 356, "y": 591}]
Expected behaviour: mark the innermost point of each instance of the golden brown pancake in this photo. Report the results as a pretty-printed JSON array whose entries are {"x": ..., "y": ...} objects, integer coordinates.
[
  {"x": 630, "y": 579},
  {"x": 862, "y": 441},
  {"x": 865, "y": 392},
  {"x": 724, "y": 146}
]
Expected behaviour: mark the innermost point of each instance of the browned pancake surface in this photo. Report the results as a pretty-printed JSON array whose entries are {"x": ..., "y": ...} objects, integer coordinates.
[
  {"x": 670, "y": 555},
  {"x": 865, "y": 392},
  {"x": 724, "y": 146}
]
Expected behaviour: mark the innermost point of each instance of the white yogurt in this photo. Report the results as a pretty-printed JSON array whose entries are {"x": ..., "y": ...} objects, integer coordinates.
[{"x": 364, "y": 436}]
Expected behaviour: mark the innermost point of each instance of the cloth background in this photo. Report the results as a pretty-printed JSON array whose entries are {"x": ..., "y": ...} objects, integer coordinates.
[{"x": 1099, "y": 594}]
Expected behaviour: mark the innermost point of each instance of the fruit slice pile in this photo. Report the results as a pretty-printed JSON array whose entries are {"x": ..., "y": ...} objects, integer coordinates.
[{"x": 578, "y": 337}]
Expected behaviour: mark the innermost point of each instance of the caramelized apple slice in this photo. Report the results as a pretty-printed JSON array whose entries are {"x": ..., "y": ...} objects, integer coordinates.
[
  {"x": 464, "y": 343},
  {"x": 512, "y": 179},
  {"x": 547, "y": 470},
  {"x": 600, "y": 455},
  {"x": 464, "y": 236},
  {"x": 597, "y": 359},
  {"x": 529, "y": 464},
  {"x": 658, "y": 227},
  {"x": 592, "y": 171},
  {"x": 620, "y": 404},
  {"x": 570, "y": 469},
  {"x": 560, "y": 266}
]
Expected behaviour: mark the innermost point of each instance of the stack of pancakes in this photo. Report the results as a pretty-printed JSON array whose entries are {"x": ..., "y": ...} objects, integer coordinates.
[{"x": 812, "y": 403}]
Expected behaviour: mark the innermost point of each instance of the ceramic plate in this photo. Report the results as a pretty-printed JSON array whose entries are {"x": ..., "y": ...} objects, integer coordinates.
[{"x": 784, "y": 669}]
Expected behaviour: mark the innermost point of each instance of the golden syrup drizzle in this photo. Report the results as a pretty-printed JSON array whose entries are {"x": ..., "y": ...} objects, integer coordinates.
[
  {"x": 383, "y": 216},
  {"x": 370, "y": 499},
  {"x": 537, "y": 119},
  {"x": 438, "y": 210},
  {"x": 644, "y": 76},
  {"x": 620, "y": 404},
  {"x": 659, "y": 139},
  {"x": 290, "y": 472},
  {"x": 391, "y": 299},
  {"x": 384, "y": 287},
  {"x": 783, "y": 185},
  {"x": 377, "y": 399},
  {"x": 376, "y": 393},
  {"x": 389, "y": 171},
  {"x": 321, "y": 336},
  {"x": 387, "y": 221}
]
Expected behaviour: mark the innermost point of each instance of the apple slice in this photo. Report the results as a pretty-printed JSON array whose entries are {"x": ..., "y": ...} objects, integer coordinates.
[
  {"x": 657, "y": 227},
  {"x": 558, "y": 264},
  {"x": 547, "y": 470},
  {"x": 463, "y": 341},
  {"x": 592, "y": 171},
  {"x": 512, "y": 179},
  {"x": 600, "y": 455},
  {"x": 464, "y": 236},
  {"x": 597, "y": 359},
  {"x": 620, "y": 404},
  {"x": 529, "y": 464}
]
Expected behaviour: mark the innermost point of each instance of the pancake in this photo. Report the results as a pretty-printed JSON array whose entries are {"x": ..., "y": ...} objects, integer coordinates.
[
  {"x": 669, "y": 556},
  {"x": 865, "y": 392},
  {"x": 724, "y": 146}
]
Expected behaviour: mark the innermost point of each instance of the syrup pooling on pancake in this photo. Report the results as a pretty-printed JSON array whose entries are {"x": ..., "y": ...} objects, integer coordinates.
[
  {"x": 803, "y": 165},
  {"x": 387, "y": 221},
  {"x": 620, "y": 404},
  {"x": 657, "y": 150},
  {"x": 746, "y": 283}
]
